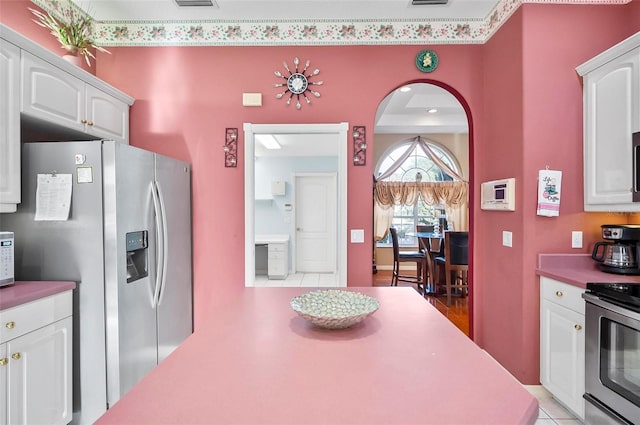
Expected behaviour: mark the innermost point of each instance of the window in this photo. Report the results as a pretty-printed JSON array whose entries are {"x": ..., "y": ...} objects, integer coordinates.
[{"x": 406, "y": 217}]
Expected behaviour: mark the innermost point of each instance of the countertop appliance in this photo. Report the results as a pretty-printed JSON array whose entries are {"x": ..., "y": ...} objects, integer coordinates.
[
  {"x": 6, "y": 258},
  {"x": 612, "y": 353},
  {"x": 621, "y": 253},
  {"x": 127, "y": 244}
]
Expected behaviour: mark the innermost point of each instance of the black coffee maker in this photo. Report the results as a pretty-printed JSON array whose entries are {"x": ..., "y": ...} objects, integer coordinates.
[{"x": 622, "y": 254}]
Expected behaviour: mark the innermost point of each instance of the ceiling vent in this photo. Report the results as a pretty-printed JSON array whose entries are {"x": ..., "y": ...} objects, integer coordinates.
[
  {"x": 196, "y": 3},
  {"x": 428, "y": 2}
]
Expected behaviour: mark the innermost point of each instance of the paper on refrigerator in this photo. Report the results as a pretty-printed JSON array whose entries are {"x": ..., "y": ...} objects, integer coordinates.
[{"x": 53, "y": 197}]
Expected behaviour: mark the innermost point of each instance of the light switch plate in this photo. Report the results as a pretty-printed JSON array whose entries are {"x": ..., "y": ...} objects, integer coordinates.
[
  {"x": 357, "y": 235},
  {"x": 507, "y": 238},
  {"x": 576, "y": 239}
]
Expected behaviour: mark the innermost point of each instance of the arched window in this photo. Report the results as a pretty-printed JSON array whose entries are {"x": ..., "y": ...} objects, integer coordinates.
[{"x": 417, "y": 166}]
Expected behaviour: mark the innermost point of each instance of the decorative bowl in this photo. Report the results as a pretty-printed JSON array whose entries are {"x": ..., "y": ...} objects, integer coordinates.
[{"x": 334, "y": 309}]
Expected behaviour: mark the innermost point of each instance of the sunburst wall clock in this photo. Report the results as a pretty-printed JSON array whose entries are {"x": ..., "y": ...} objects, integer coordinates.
[{"x": 297, "y": 83}]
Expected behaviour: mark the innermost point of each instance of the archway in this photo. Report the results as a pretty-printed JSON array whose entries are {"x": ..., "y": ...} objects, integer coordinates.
[{"x": 436, "y": 111}]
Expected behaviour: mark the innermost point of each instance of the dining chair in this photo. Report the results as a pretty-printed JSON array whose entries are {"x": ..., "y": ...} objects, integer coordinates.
[
  {"x": 418, "y": 257},
  {"x": 455, "y": 262},
  {"x": 424, "y": 244}
]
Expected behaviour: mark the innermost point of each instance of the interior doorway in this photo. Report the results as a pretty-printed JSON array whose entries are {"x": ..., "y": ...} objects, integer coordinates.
[
  {"x": 303, "y": 140},
  {"x": 439, "y": 114}
]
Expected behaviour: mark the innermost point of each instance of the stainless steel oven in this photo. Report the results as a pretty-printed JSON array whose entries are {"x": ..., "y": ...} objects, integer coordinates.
[{"x": 612, "y": 358}]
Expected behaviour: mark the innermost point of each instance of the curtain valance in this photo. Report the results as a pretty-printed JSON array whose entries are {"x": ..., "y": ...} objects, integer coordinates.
[{"x": 433, "y": 193}]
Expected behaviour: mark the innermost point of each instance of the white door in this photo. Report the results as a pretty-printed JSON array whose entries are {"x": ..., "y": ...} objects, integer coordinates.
[{"x": 315, "y": 223}]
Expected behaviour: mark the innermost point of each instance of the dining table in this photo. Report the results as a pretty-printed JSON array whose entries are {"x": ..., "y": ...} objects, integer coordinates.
[{"x": 254, "y": 360}]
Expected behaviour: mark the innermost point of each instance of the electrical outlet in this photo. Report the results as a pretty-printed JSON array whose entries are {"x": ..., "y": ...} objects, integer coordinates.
[
  {"x": 507, "y": 238},
  {"x": 576, "y": 239}
]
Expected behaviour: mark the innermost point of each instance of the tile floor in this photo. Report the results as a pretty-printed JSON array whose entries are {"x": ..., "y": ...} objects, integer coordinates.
[
  {"x": 551, "y": 412},
  {"x": 304, "y": 280}
]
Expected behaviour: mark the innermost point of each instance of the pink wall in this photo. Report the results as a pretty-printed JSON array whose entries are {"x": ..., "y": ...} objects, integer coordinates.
[
  {"x": 185, "y": 97},
  {"x": 535, "y": 120},
  {"x": 524, "y": 97}
]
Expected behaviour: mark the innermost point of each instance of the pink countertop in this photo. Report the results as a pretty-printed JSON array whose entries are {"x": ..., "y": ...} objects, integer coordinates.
[
  {"x": 577, "y": 269},
  {"x": 26, "y": 291},
  {"x": 256, "y": 362}
]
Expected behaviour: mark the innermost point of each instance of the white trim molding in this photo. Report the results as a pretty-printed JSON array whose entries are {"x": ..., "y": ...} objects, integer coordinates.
[{"x": 288, "y": 32}]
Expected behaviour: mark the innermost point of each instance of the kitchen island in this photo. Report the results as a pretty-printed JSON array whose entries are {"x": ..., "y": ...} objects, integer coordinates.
[{"x": 255, "y": 361}]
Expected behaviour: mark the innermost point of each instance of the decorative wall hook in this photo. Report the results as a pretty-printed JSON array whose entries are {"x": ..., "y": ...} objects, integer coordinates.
[
  {"x": 231, "y": 147},
  {"x": 359, "y": 145}
]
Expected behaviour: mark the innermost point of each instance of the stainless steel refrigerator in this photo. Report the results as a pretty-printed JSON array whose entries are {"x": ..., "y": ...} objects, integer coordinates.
[{"x": 127, "y": 244}]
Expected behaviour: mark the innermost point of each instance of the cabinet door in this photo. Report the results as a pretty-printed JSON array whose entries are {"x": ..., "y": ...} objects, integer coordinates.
[
  {"x": 4, "y": 365},
  {"x": 50, "y": 94},
  {"x": 9, "y": 127},
  {"x": 39, "y": 376},
  {"x": 562, "y": 355},
  {"x": 612, "y": 114},
  {"x": 107, "y": 117}
]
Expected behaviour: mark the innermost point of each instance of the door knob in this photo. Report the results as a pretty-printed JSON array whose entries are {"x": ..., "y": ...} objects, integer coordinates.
[
  {"x": 16, "y": 356},
  {"x": 10, "y": 325},
  {"x": 4, "y": 361}
]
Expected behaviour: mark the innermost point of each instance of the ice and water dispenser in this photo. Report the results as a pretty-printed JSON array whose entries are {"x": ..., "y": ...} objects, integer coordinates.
[{"x": 137, "y": 249}]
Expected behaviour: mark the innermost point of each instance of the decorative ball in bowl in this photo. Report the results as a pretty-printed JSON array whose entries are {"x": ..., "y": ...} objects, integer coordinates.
[{"x": 333, "y": 308}]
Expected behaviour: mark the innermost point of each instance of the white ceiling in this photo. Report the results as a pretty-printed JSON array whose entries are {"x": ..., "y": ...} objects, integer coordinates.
[
  {"x": 408, "y": 112},
  {"x": 108, "y": 10}
]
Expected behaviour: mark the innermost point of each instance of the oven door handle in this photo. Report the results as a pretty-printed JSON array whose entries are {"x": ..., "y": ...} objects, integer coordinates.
[{"x": 610, "y": 305}]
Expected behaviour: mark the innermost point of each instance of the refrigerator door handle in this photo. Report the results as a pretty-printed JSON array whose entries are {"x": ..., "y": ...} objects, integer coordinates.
[
  {"x": 159, "y": 243},
  {"x": 165, "y": 244}
]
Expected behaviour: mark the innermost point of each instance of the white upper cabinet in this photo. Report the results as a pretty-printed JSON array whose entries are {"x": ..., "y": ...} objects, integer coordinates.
[
  {"x": 41, "y": 92},
  {"x": 611, "y": 116},
  {"x": 106, "y": 116},
  {"x": 53, "y": 95},
  {"x": 9, "y": 126}
]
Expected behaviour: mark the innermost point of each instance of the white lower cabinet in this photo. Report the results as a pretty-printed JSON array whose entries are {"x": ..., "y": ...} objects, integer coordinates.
[
  {"x": 278, "y": 262},
  {"x": 36, "y": 362},
  {"x": 562, "y": 343}
]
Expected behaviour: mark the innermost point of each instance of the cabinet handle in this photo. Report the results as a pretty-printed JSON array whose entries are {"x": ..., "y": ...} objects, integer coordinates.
[
  {"x": 577, "y": 327},
  {"x": 10, "y": 325},
  {"x": 559, "y": 293},
  {"x": 83, "y": 121},
  {"x": 90, "y": 123},
  {"x": 4, "y": 361},
  {"x": 16, "y": 356}
]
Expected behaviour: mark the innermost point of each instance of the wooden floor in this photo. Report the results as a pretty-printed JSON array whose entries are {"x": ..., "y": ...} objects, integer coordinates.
[{"x": 457, "y": 313}]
